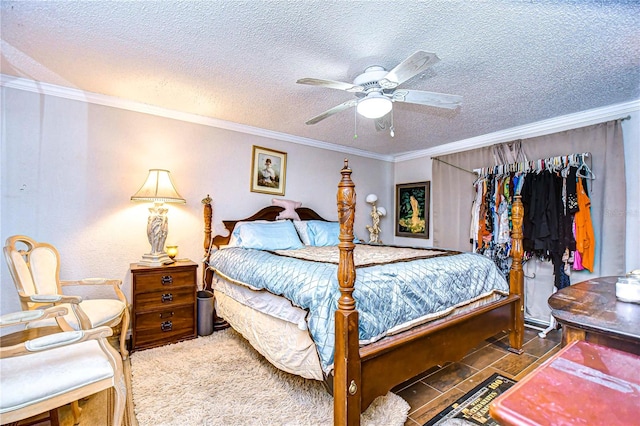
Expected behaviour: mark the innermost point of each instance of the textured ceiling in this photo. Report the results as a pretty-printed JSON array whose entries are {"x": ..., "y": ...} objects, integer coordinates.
[{"x": 514, "y": 62}]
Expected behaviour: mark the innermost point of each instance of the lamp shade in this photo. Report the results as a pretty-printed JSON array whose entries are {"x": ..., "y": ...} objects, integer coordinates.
[
  {"x": 158, "y": 188},
  {"x": 374, "y": 105},
  {"x": 371, "y": 198}
]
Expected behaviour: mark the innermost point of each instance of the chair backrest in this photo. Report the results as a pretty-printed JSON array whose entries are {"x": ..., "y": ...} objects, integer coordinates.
[{"x": 34, "y": 267}]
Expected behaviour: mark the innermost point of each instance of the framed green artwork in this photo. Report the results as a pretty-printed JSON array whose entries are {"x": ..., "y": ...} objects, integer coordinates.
[{"x": 412, "y": 209}]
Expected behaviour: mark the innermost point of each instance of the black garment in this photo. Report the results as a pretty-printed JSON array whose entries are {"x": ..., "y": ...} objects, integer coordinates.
[
  {"x": 548, "y": 221},
  {"x": 489, "y": 202},
  {"x": 541, "y": 212},
  {"x": 526, "y": 192}
]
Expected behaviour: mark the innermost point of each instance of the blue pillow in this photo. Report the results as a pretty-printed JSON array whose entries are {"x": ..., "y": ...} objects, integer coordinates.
[
  {"x": 279, "y": 235},
  {"x": 323, "y": 233},
  {"x": 234, "y": 239}
]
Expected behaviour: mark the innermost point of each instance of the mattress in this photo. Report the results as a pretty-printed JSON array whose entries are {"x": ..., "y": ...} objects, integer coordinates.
[{"x": 391, "y": 295}]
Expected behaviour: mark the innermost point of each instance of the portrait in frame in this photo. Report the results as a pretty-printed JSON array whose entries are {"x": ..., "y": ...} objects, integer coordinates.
[
  {"x": 412, "y": 209},
  {"x": 268, "y": 171}
]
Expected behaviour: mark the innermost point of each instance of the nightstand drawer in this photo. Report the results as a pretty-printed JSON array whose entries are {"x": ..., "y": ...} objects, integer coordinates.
[
  {"x": 159, "y": 281},
  {"x": 166, "y": 298},
  {"x": 165, "y": 325}
]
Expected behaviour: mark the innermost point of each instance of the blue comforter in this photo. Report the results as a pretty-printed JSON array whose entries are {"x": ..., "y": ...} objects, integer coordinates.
[{"x": 386, "y": 295}]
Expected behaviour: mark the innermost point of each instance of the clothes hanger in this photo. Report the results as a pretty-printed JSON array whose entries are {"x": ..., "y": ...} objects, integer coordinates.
[{"x": 585, "y": 167}]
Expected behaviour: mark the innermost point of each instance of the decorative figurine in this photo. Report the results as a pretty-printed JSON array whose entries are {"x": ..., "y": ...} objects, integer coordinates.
[{"x": 376, "y": 214}]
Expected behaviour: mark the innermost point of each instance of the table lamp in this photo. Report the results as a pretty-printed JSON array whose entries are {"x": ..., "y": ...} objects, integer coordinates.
[{"x": 159, "y": 189}]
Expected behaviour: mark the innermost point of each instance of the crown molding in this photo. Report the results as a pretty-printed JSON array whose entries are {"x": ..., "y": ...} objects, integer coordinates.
[
  {"x": 556, "y": 124},
  {"x": 539, "y": 128},
  {"x": 115, "y": 102}
]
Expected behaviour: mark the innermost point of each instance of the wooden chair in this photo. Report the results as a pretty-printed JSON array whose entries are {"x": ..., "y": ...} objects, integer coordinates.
[
  {"x": 35, "y": 269},
  {"x": 44, "y": 373}
]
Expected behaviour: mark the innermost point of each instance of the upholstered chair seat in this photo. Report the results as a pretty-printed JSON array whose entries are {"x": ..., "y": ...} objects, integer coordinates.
[
  {"x": 43, "y": 375},
  {"x": 98, "y": 311},
  {"x": 46, "y": 372}
]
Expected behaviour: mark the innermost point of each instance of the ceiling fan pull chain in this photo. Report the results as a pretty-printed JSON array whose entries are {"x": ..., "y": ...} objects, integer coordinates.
[
  {"x": 391, "y": 132},
  {"x": 355, "y": 124}
]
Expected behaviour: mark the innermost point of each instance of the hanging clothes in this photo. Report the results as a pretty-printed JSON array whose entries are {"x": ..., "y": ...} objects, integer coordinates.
[
  {"x": 557, "y": 213},
  {"x": 491, "y": 218}
]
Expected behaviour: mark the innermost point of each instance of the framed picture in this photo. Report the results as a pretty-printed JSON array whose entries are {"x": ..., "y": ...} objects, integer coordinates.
[
  {"x": 268, "y": 171},
  {"x": 412, "y": 209}
]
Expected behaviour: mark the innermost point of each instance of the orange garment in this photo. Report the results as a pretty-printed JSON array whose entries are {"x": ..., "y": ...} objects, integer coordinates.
[
  {"x": 484, "y": 236},
  {"x": 585, "y": 239}
]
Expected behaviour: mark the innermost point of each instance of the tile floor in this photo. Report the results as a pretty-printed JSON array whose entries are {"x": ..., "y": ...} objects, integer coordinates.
[{"x": 432, "y": 391}]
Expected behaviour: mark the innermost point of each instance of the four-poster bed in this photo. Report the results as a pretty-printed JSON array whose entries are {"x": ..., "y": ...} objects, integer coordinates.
[{"x": 360, "y": 373}]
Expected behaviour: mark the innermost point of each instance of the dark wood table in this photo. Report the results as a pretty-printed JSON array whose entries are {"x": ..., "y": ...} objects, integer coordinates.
[{"x": 590, "y": 311}]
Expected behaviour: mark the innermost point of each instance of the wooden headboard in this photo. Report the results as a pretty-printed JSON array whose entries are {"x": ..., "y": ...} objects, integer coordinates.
[{"x": 267, "y": 213}]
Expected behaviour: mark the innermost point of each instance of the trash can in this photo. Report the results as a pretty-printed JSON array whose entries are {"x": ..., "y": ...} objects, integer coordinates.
[{"x": 205, "y": 313}]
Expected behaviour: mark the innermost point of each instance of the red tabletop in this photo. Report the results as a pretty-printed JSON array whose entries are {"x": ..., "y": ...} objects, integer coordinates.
[{"x": 583, "y": 384}]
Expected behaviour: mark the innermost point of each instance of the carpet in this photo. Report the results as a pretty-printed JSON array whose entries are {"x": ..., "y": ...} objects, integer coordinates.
[
  {"x": 221, "y": 380},
  {"x": 473, "y": 407}
]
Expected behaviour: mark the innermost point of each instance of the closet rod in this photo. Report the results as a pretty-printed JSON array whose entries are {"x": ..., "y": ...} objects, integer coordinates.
[
  {"x": 452, "y": 165},
  {"x": 535, "y": 165}
]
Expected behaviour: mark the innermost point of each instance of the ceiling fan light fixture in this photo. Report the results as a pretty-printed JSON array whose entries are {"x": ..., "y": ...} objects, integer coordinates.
[{"x": 374, "y": 105}]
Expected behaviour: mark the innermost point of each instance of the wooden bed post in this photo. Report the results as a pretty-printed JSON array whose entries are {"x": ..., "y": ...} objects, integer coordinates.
[
  {"x": 516, "y": 276},
  {"x": 208, "y": 213},
  {"x": 347, "y": 386}
]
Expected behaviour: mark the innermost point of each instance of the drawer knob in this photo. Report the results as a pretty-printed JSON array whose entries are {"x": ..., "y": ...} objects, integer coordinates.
[
  {"x": 167, "y": 280},
  {"x": 166, "y": 326},
  {"x": 167, "y": 297}
]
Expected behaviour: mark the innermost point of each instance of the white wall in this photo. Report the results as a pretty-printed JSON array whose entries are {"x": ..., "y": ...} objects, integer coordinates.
[
  {"x": 631, "y": 131},
  {"x": 70, "y": 167}
]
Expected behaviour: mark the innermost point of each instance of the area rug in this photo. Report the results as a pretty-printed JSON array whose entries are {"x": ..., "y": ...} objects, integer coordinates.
[
  {"x": 221, "y": 380},
  {"x": 473, "y": 407}
]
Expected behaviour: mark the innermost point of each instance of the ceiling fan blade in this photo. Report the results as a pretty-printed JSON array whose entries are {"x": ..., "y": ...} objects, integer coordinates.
[
  {"x": 336, "y": 109},
  {"x": 406, "y": 69},
  {"x": 440, "y": 100},
  {"x": 349, "y": 87}
]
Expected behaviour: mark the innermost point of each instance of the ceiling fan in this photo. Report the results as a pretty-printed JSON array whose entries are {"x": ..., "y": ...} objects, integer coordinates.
[{"x": 376, "y": 89}]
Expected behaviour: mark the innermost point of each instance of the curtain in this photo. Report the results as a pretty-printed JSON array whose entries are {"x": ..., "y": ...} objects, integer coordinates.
[{"x": 453, "y": 191}]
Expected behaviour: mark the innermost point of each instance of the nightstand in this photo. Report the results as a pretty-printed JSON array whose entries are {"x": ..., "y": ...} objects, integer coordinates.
[{"x": 164, "y": 304}]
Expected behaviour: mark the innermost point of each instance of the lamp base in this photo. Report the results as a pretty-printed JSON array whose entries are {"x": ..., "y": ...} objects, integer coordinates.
[{"x": 155, "y": 259}]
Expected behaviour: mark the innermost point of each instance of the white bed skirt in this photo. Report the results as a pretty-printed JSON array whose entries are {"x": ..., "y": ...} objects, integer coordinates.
[{"x": 281, "y": 342}]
